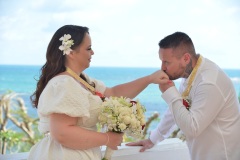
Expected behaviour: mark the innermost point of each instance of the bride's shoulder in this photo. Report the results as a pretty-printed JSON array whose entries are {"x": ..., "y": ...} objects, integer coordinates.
[{"x": 61, "y": 79}]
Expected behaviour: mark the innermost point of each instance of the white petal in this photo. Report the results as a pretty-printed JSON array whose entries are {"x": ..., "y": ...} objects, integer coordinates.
[
  {"x": 61, "y": 48},
  {"x": 67, "y": 37},
  {"x": 68, "y": 51}
]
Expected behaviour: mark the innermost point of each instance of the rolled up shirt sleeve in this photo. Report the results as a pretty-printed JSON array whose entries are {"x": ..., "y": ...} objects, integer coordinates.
[{"x": 164, "y": 128}]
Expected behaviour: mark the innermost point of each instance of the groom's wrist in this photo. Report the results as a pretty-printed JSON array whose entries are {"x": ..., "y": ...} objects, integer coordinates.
[{"x": 155, "y": 137}]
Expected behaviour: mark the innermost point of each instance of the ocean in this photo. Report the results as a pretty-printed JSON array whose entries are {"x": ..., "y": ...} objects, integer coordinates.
[{"x": 22, "y": 79}]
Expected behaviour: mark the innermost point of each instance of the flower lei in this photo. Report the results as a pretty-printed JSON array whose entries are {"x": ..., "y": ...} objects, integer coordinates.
[
  {"x": 186, "y": 100},
  {"x": 91, "y": 88},
  {"x": 67, "y": 42}
]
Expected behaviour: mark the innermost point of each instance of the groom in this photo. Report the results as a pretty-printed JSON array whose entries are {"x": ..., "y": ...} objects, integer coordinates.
[{"x": 205, "y": 107}]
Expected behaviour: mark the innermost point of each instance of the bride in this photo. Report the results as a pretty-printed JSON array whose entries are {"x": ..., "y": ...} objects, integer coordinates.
[{"x": 68, "y": 101}]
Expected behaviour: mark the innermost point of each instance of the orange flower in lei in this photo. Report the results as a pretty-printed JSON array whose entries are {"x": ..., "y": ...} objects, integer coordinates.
[{"x": 100, "y": 95}]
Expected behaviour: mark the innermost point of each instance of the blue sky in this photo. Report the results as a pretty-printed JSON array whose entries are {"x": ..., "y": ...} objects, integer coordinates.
[{"x": 124, "y": 32}]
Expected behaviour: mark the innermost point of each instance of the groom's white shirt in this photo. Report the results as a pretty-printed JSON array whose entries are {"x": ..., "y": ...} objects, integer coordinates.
[{"x": 212, "y": 125}]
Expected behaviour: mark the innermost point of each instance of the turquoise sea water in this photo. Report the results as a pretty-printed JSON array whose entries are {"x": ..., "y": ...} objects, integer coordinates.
[{"x": 21, "y": 79}]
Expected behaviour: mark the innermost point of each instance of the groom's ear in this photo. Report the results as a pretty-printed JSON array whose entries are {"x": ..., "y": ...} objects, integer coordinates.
[{"x": 186, "y": 58}]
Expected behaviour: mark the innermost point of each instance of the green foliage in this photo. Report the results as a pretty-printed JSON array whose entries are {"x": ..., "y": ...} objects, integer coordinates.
[
  {"x": 11, "y": 138},
  {"x": 23, "y": 132}
]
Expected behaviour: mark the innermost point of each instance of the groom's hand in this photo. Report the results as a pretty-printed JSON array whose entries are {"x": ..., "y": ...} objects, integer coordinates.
[
  {"x": 146, "y": 144},
  {"x": 164, "y": 86}
]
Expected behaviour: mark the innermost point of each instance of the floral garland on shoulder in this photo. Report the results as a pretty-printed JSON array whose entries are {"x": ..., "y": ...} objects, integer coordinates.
[
  {"x": 186, "y": 99},
  {"x": 185, "y": 94}
]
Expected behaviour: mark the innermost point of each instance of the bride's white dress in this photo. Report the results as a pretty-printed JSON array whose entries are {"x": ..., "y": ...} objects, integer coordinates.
[{"x": 65, "y": 95}]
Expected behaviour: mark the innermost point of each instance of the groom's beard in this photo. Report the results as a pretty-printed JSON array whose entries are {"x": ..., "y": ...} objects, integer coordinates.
[{"x": 179, "y": 73}]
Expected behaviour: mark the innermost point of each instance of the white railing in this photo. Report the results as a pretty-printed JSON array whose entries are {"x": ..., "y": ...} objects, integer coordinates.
[{"x": 170, "y": 149}]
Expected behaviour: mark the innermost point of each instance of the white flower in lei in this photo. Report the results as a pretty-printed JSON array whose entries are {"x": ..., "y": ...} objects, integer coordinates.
[{"x": 67, "y": 42}]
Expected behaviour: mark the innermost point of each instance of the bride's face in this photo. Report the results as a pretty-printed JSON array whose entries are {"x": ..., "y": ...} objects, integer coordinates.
[
  {"x": 84, "y": 52},
  {"x": 171, "y": 65}
]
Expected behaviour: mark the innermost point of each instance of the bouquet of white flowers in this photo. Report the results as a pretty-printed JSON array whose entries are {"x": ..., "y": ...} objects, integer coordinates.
[{"x": 120, "y": 114}]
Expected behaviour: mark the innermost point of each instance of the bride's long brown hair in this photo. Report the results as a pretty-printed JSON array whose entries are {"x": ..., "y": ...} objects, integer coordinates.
[{"x": 55, "y": 60}]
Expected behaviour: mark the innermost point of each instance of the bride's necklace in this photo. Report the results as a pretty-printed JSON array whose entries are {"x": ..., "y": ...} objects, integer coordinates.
[
  {"x": 88, "y": 86},
  {"x": 192, "y": 77}
]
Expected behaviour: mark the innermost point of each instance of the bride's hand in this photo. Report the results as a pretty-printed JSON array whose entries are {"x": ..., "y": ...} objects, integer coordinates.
[
  {"x": 159, "y": 77},
  {"x": 115, "y": 139}
]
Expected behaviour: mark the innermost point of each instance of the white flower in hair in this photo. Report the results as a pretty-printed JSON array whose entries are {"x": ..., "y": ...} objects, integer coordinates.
[{"x": 67, "y": 42}]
